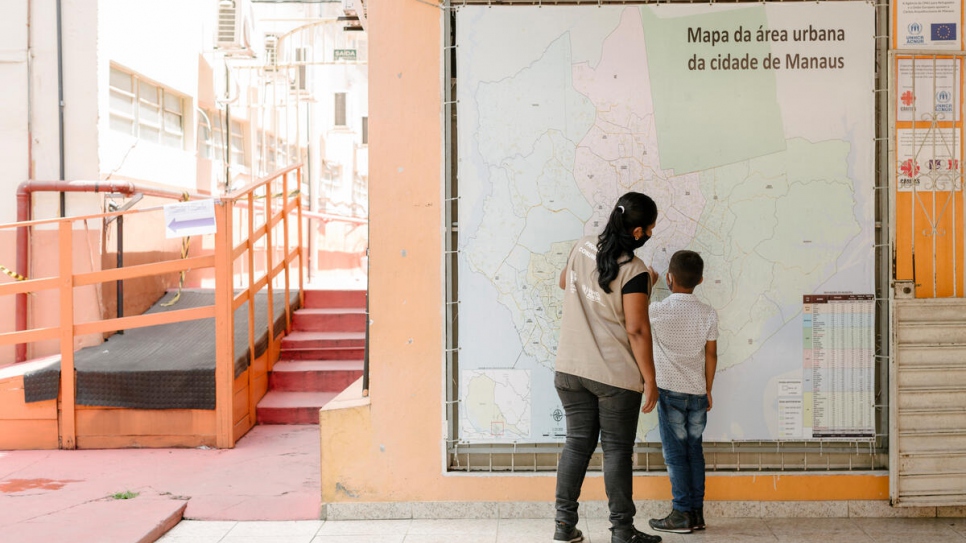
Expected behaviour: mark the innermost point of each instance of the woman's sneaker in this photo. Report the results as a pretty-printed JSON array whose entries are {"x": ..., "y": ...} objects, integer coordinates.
[
  {"x": 567, "y": 533},
  {"x": 677, "y": 522},
  {"x": 634, "y": 536}
]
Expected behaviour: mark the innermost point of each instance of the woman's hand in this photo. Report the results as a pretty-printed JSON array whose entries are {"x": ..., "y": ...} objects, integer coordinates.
[{"x": 650, "y": 397}]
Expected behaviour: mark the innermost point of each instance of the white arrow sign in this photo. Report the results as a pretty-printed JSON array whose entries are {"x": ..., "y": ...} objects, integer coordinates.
[{"x": 189, "y": 218}]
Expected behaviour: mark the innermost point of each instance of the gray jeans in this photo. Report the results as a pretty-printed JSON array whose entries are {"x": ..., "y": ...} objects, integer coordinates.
[{"x": 597, "y": 410}]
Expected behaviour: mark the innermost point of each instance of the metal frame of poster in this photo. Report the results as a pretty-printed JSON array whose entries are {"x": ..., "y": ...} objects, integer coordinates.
[{"x": 926, "y": 166}]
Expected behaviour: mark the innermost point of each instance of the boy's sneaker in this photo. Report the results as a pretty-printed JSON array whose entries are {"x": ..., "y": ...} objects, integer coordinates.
[
  {"x": 635, "y": 536},
  {"x": 697, "y": 519},
  {"x": 677, "y": 522},
  {"x": 567, "y": 533}
]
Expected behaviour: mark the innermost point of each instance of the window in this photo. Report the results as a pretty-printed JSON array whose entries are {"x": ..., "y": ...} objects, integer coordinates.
[
  {"x": 211, "y": 139},
  {"x": 173, "y": 120},
  {"x": 365, "y": 130},
  {"x": 123, "y": 115},
  {"x": 340, "y": 109},
  {"x": 145, "y": 110},
  {"x": 360, "y": 195},
  {"x": 301, "y": 55},
  {"x": 205, "y": 144},
  {"x": 238, "y": 155}
]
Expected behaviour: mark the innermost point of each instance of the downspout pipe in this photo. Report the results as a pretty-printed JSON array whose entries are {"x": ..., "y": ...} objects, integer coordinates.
[
  {"x": 24, "y": 192},
  {"x": 60, "y": 105}
]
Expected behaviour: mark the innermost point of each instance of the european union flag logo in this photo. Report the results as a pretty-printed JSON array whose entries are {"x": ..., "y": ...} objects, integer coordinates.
[{"x": 943, "y": 31}]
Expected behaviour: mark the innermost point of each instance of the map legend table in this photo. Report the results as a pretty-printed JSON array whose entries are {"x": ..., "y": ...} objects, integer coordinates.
[{"x": 839, "y": 361}]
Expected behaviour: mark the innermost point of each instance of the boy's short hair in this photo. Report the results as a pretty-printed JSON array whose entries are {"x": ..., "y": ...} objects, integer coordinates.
[{"x": 687, "y": 267}]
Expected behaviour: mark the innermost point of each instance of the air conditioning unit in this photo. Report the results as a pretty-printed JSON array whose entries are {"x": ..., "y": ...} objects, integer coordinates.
[
  {"x": 236, "y": 28},
  {"x": 271, "y": 53}
]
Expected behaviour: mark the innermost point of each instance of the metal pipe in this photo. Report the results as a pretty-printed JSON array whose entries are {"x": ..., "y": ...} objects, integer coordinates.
[
  {"x": 24, "y": 192},
  {"x": 120, "y": 264},
  {"x": 30, "y": 110},
  {"x": 60, "y": 105}
]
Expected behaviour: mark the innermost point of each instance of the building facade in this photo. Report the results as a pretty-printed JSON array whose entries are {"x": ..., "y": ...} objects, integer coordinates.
[
  {"x": 186, "y": 98},
  {"x": 390, "y": 451}
]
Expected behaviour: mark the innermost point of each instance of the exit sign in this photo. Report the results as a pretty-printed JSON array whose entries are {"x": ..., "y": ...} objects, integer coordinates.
[{"x": 345, "y": 54}]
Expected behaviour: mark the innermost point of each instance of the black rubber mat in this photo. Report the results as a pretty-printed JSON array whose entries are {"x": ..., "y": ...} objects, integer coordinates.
[{"x": 170, "y": 366}]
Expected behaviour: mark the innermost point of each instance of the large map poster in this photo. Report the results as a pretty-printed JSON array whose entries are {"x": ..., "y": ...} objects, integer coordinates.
[{"x": 752, "y": 127}]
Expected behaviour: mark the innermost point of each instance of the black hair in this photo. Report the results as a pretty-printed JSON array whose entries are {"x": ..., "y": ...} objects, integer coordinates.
[
  {"x": 632, "y": 210},
  {"x": 687, "y": 267}
]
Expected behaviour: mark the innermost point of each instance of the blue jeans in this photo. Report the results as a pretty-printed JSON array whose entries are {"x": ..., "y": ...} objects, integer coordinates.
[
  {"x": 682, "y": 418},
  {"x": 595, "y": 410}
]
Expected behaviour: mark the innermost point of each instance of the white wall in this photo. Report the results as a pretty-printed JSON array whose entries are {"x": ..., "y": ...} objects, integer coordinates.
[
  {"x": 31, "y": 98},
  {"x": 13, "y": 104},
  {"x": 161, "y": 42}
]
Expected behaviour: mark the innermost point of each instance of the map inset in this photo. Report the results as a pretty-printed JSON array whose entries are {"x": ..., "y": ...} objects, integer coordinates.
[{"x": 768, "y": 173}]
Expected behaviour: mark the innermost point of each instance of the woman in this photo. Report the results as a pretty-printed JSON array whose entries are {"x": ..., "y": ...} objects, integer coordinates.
[{"x": 604, "y": 363}]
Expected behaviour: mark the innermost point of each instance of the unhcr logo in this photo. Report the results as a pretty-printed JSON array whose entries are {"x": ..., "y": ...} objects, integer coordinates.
[
  {"x": 914, "y": 36},
  {"x": 944, "y": 101}
]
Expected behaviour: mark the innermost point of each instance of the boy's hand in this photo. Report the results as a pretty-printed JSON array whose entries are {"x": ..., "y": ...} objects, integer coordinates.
[
  {"x": 709, "y": 401},
  {"x": 650, "y": 397},
  {"x": 654, "y": 275}
]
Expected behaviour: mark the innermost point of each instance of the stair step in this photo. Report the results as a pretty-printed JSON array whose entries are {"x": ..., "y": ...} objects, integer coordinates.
[
  {"x": 278, "y": 407},
  {"x": 325, "y": 353},
  {"x": 335, "y": 298},
  {"x": 320, "y": 340},
  {"x": 315, "y": 375},
  {"x": 330, "y": 320}
]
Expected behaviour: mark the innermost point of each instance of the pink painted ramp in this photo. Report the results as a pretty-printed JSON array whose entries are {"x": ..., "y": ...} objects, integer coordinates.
[
  {"x": 271, "y": 474},
  {"x": 141, "y": 519}
]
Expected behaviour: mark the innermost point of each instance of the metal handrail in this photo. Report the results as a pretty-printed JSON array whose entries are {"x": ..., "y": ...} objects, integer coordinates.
[{"x": 223, "y": 261}]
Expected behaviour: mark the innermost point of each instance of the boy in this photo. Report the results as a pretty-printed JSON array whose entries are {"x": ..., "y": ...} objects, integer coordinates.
[{"x": 685, "y": 334}]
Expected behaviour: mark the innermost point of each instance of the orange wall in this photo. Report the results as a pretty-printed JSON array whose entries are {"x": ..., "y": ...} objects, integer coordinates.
[
  {"x": 939, "y": 258},
  {"x": 25, "y": 425},
  {"x": 391, "y": 449}
]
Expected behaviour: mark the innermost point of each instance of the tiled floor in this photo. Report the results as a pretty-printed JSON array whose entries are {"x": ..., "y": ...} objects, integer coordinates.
[{"x": 845, "y": 530}]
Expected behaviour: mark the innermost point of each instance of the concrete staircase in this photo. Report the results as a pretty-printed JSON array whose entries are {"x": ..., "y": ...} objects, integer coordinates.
[
  {"x": 929, "y": 402},
  {"x": 321, "y": 357}
]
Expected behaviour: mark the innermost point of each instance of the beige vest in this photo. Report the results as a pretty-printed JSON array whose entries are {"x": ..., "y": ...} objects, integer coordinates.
[{"x": 593, "y": 341}]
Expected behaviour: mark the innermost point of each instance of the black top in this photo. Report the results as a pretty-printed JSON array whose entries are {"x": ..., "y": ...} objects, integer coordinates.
[{"x": 639, "y": 283}]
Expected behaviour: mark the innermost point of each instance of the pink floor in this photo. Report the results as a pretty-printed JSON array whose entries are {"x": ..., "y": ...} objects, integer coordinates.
[{"x": 271, "y": 474}]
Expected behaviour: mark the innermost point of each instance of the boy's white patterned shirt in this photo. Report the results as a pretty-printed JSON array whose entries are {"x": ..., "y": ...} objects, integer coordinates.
[{"x": 681, "y": 325}]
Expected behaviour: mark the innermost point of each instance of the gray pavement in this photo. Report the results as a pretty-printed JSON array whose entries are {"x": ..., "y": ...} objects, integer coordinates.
[{"x": 851, "y": 530}]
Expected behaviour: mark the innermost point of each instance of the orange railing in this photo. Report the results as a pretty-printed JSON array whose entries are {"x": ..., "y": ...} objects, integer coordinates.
[{"x": 257, "y": 245}]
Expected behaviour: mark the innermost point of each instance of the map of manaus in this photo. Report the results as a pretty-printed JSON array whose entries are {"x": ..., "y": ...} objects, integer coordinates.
[{"x": 768, "y": 173}]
